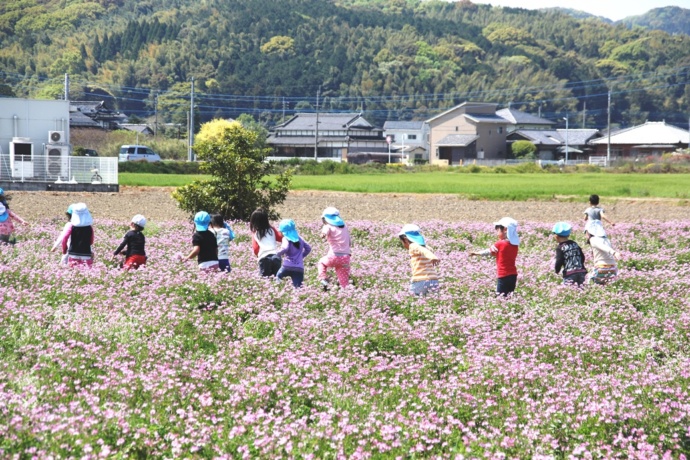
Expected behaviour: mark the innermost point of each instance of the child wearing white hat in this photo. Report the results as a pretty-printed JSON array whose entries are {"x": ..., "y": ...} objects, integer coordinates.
[
  {"x": 336, "y": 233},
  {"x": 505, "y": 250},
  {"x": 135, "y": 242},
  {"x": 77, "y": 240},
  {"x": 422, "y": 260},
  {"x": 569, "y": 255},
  {"x": 604, "y": 257}
]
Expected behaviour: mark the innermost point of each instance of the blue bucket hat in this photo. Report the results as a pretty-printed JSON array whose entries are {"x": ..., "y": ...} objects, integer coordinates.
[
  {"x": 287, "y": 228},
  {"x": 4, "y": 215},
  {"x": 332, "y": 216},
  {"x": 562, "y": 229},
  {"x": 69, "y": 210},
  {"x": 202, "y": 221},
  {"x": 2, "y": 192},
  {"x": 412, "y": 233}
]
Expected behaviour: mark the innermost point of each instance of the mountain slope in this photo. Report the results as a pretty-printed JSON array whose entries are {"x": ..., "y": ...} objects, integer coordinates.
[
  {"x": 393, "y": 59},
  {"x": 670, "y": 19}
]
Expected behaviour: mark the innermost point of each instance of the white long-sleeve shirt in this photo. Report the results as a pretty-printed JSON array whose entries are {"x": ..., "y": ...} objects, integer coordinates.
[{"x": 602, "y": 252}]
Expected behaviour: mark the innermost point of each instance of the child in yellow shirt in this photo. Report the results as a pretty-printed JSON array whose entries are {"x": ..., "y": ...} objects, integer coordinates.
[{"x": 422, "y": 260}]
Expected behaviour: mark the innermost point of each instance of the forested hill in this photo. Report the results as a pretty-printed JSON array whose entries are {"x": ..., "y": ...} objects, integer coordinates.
[
  {"x": 393, "y": 59},
  {"x": 671, "y": 19}
]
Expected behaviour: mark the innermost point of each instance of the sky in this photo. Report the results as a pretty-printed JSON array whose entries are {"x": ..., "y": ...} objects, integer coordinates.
[{"x": 614, "y": 10}]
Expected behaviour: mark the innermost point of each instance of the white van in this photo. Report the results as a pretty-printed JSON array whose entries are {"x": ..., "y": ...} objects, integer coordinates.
[{"x": 138, "y": 153}]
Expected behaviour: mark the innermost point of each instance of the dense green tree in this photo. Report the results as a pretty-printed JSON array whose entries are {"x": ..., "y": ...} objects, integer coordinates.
[{"x": 239, "y": 182}]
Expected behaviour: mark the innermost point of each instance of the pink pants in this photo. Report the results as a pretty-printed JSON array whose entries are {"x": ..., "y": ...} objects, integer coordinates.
[{"x": 341, "y": 264}]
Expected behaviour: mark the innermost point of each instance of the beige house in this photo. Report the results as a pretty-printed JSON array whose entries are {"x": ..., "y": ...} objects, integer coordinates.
[{"x": 471, "y": 130}]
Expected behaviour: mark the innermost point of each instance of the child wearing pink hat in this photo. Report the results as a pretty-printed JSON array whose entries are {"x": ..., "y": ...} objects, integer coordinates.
[{"x": 336, "y": 233}]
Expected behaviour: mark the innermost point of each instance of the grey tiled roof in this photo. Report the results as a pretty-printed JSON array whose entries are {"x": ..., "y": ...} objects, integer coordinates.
[
  {"x": 457, "y": 140},
  {"x": 486, "y": 118},
  {"x": 327, "y": 121},
  {"x": 403, "y": 125},
  {"x": 579, "y": 136},
  {"x": 518, "y": 117},
  {"x": 556, "y": 136}
]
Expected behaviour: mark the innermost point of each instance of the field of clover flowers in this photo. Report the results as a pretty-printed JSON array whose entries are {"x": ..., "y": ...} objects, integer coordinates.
[{"x": 170, "y": 362}]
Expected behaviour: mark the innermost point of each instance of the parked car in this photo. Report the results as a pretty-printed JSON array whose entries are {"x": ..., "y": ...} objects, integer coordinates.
[
  {"x": 138, "y": 153},
  {"x": 82, "y": 152}
]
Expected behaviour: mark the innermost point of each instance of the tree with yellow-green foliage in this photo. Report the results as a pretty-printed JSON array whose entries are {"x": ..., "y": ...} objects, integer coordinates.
[{"x": 239, "y": 182}]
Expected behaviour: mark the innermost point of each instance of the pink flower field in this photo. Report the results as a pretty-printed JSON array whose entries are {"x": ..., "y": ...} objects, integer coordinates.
[{"x": 170, "y": 362}]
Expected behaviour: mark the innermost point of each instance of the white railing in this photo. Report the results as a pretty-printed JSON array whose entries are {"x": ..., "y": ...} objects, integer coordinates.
[{"x": 59, "y": 169}]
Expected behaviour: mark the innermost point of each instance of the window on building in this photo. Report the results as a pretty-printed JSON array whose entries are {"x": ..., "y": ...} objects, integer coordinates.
[
  {"x": 412, "y": 136},
  {"x": 500, "y": 130}
]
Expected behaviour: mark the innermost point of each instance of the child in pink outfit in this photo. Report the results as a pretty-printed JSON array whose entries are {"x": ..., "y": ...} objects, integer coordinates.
[
  {"x": 338, "y": 236},
  {"x": 7, "y": 219}
]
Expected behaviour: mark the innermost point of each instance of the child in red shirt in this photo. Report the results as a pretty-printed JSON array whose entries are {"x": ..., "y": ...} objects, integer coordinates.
[{"x": 505, "y": 250}]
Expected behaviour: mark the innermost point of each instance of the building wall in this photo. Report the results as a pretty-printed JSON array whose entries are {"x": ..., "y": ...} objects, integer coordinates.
[
  {"x": 32, "y": 119},
  {"x": 492, "y": 140},
  {"x": 454, "y": 122}
]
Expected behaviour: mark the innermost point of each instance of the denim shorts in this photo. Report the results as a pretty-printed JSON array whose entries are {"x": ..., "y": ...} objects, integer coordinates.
[{"x": 423, "y": 287}]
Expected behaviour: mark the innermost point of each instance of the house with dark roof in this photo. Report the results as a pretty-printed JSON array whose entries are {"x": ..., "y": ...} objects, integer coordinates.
[
  {"x": 551, "y": 143},
  {"x": 337, "y": 136},
  {"x": 471, "y": 130},
  {"x": 97, "y": 111},
  {"x": 650, "y": 138},
  {"x": 523, "y": 120},
  {"x": 409, "y": 139}
]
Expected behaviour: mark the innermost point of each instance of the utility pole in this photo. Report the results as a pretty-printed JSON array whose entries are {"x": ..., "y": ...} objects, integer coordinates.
[
  {"x": 316, "y": 127},
  {"x": 539, "y": 109},
  {"x": 190, "y": 152},
  {"x": 584, "y": 115},
  {"x": 155, "y": 108},
  {"x": 566, "y": 139},
  {"x": 67, "y": 87},
  {"x": 283, "y": 109},
  {"x": 608, "y": 144}
]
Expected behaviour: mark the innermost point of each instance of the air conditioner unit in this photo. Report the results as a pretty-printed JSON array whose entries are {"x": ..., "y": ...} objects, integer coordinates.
[
  {"x": 56, "y": 137},
  {"x": 57, "y": 161}
]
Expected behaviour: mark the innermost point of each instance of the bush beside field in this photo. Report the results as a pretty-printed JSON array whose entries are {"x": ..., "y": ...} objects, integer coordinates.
[{"x": 168, "y": 362}]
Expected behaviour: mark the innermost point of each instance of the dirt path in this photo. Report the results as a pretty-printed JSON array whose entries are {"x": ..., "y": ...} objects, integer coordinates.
[{"x": 303, "y": 206}]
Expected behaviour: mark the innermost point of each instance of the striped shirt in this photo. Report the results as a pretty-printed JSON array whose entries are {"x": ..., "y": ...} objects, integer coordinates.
[{"x": 420, "y": 261}]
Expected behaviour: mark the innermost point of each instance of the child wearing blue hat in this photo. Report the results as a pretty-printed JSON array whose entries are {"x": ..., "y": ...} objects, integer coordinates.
[
  {"x": 336, "y": 233},
  {"x": 7, "y": 219},
  {"x": 205, "y": 247},
  {"x": 569, "y": 255},
  {"x": 294, "y": 249},
  {"x": 505, "y": 250},
  {"x": 422, "y": 260}
]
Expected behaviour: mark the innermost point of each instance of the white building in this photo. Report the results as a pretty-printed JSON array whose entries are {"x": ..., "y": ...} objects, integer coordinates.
[{"x": 410, "y": 139}]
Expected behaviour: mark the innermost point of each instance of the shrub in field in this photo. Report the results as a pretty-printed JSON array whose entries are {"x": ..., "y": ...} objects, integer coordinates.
[
  {"x": 239, "y": 184},
  {"x": 171, "y": 362}
]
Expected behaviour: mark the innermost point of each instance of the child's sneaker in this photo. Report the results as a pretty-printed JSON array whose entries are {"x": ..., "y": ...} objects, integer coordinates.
[{"x": 324, "y": 285}]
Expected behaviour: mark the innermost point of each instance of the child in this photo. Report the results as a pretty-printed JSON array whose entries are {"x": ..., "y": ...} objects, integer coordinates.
[
  {"x": 338, "y": 257},
  {"x": 295, "y": 249},
  {"x": 569, "y": 255},
  {"x": 265, "y": 241},
  {"x": 603, "y": 255},
  {"x": 205, "y": 246},
  {"x": 65, "y": 230},
  {"x": 224, "y": 235},
  {"x": 3, "y": 199},
  {"x": 505, "y": 250},
  {"x": 422, "y": 260},
  {"x": 7, "y": 225},
  {"x": 594, "y": 212},
  {"x": 79, "y": 237},
  {"x": 135, "y": 241}
]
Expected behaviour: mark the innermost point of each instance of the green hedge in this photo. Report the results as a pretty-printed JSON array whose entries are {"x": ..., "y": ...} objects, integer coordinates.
[{"x": 160, "y": 167}]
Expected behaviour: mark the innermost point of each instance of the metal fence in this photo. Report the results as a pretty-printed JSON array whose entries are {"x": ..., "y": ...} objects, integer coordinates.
[{"x": 59, "y": 169}]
